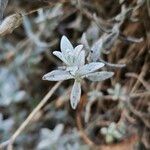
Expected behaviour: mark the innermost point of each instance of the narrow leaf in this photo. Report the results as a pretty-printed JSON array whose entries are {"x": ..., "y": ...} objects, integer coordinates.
[
  {"x": 109, "y": 40},
  {"x": 84, "y": 41},
  {"x": 91, "y": 67},
  {"x": 57, "y": 75},
  {"x": 95, "y": 52},
  {"x": 60, "y": 56},
  {"x": 77, "y": 50},
  {"x": 80, "y": 60},
  {"x": 65, "y": 45},
  {"x": 99, "y": 76},
  {"x": 75, "y": 94}
]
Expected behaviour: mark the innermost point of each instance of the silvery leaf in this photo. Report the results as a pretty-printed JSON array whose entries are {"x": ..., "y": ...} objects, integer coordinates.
[
  {"x": 133, "y": 39},
  {"x": 93, "y": 95},
  {"x": 104, "y": 131},
  {"x": 60, "y": 56},
  {"x": 46, "y": 134},
  {"x": 112, "y": 65},
  {"x": 95, "y": 52},
  {"x": 111, "y": 91},
  {"x": 33, "y": 37},
  {"x": 76, "y": 57},
  {"x": 84, "y": 41},
  {"x": 72, "y": 69},
  {"x": 56, "y": 11},
  {"x": 65, "y": 45},
  {"x": 41, "y": 16},
  {"x": 109, "y": 40},
  {"x": 80, "y": 60},
  {"x": 77, "y": 50},
  {"x": 117, "y": 134},
  {"x": 123, "y": 14},
  {"x": 6, "y": 124},
  {"x": 19, "y": 96},
  {"x": 57, "y": 75},
  {"x": 93, "y": 30},
  {"x": 99, "y": 76},
  {"x": 70, "y": 58},
  {"x": 88, "y": 68},
  {"x": 58, "y": 131},
  {"x": 75, "y": 94}
]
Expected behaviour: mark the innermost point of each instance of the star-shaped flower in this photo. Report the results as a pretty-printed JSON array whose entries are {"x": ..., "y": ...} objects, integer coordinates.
[{"x": 76, "y": 69}]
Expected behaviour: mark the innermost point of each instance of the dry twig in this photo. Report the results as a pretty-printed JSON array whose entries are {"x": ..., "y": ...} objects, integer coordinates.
[{"x": 30, "y": 117}]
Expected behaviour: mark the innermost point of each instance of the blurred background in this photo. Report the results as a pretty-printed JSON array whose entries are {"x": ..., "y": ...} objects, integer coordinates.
[{"x": 113, "y": 114}]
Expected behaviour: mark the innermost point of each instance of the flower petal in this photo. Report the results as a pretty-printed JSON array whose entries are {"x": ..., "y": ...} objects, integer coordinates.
[
  {"x": 99, "y": 76},
  {"x": 60, "y": 56},
  {"x": 75, "y": 94},
  {"x": 65, "y": 45},
  {"x": 91, "y": 67},
  {"x": 57, "y": 75}
]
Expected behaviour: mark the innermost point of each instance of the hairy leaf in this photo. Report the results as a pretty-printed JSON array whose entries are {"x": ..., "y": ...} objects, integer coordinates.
[
  {"x": 88, "y": 68},
  {"x": 75, "y": 94},
  {"x": 99, "y": 76},
  {"x": 57, "y": 75},
  {"x": 65, "y": 45}
]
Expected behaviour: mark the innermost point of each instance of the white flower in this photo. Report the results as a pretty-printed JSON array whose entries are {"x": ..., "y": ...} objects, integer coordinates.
[{"x": 76, "y": 69}]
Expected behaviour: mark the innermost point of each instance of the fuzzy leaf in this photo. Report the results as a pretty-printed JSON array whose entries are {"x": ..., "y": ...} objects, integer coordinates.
[
  {"x": 72, "y": 70},
  {"x": 77, "y": 50},
  {"x": 84, "y": 41},
  {"x": 99, "y": 76},
  {"x": 75, "y": 94},
  {"x": 112, "y": 65},
  {"x": 57, "y": 75},
  {"x": 60, "y": 56},
  {"x": 65, "y": 45},
  {"x": 96, "y": 50},
  {"x": 76, "y": 53},
  {"x": 88, "y": 68},
  {"x": 80, "y": 60},
  {"x": 109, "y": 40}
]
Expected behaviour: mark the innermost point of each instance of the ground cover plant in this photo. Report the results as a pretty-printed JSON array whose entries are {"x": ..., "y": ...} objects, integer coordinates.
[{"x": 75, "y": 74}]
